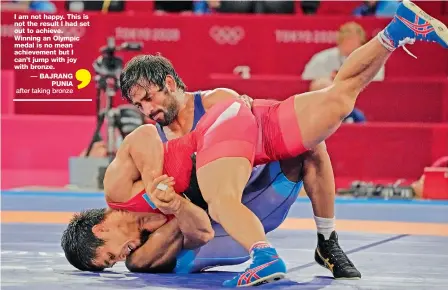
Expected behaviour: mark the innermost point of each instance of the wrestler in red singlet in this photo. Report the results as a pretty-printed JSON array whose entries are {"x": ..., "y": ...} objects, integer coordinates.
[
  {"x": 218, "y": 134},
  {"x": 229, "y": 129}
]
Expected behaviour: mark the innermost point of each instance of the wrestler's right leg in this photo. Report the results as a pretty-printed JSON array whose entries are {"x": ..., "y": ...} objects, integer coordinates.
[
  {"x": 320, "y": 113},
  {"x": 270, "y": 192},
  {"x": 227, "y": 138}
]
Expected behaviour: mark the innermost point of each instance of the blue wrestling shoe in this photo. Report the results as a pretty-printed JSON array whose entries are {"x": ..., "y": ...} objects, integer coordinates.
[
  {"x": 411, "y": 23},
  {"x": 266, "y": 267}
]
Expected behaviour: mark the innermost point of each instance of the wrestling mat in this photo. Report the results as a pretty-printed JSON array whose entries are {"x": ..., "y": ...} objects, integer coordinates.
[{"x": 395, "y": 245}]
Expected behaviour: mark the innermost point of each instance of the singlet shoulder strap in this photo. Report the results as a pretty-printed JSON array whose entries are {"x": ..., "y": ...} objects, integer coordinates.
[
  {"x": 161, "y": 133},
  {"x": 199, "y": 110}
]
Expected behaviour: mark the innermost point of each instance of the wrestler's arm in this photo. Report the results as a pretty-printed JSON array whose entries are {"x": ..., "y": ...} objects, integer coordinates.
[
  {"x": 140, "y": 156},
  {"x": 318, "y": 177},
  {"x": 158, "y": 253},
  {"x": 193, "y": 221},
  {"x": 194, "y": 224},
  {"x": 146, "y": 150}
]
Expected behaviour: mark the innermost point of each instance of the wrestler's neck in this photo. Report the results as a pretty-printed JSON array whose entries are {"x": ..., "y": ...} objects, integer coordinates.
[{"x": 185, "y": 116}]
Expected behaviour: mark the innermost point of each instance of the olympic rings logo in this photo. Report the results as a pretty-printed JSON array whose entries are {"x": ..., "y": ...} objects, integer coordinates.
[{"x": 227, "y": 35}]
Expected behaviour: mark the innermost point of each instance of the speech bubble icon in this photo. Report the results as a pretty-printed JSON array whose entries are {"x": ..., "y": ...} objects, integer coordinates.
[{"x": 84, "y": 77}]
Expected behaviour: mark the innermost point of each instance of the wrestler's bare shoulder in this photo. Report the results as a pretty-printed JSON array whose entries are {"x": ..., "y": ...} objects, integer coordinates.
[{"x": 212, "y": 97}]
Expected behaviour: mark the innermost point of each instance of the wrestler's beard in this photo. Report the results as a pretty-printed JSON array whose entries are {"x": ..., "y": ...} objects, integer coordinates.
[{"x": 169, "y": 115}]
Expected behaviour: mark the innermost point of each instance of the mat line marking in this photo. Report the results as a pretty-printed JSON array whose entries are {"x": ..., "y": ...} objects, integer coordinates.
[{"x": 358, "y": 249}]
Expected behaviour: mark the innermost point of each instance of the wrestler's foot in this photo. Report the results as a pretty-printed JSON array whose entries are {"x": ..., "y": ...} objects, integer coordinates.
[
  {"x": 329, "y": 255},
  {"x": 411, "y": 23},
  {"x": 266, "y": 267}
]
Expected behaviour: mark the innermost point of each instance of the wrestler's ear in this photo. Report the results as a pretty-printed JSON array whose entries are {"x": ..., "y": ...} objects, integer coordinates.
[
  {"x": 170, "y": 83},
  {"x": 99, "y": 228}
]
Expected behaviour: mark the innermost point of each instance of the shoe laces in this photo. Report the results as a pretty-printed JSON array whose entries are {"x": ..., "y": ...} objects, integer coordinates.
[
  {"x": 408, "y": 52},
  {"x": 336, "y": 254}
]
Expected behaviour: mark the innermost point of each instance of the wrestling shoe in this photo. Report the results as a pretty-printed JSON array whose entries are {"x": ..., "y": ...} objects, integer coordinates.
[
  {"x": 411, "y": 23},
  {"x": 329, "y": 255},
  {"x": 266, "y": 267}
]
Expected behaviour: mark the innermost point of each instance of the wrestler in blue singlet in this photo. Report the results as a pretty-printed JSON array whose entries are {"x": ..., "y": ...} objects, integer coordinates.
[{"x": 269, "y": 194}]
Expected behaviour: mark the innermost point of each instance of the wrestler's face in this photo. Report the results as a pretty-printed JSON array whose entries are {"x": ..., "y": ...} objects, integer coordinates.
[
  {"x": 159, "y": 104},
  {"x": 121, "y": 233}
]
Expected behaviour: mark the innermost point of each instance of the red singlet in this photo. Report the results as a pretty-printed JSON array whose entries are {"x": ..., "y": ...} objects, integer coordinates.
[
  {"x": 229, "y": 129},
  {"x": 279, "y": 132}
]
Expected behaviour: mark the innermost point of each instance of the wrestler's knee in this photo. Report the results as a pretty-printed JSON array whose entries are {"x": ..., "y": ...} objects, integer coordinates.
[{"x": 142, "y": 132}]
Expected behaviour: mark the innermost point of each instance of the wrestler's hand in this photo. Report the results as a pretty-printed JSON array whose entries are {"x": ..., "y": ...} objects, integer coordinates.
[
  {"x": 247, "y": 100},
  {"x": 167, "y": 201}
]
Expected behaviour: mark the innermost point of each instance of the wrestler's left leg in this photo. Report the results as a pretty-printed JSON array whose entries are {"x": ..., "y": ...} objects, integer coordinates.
[
  {"x": 318, "y": 177},
  {"x": 319, "y": 185},
  {"x": 315, "y": 169}
]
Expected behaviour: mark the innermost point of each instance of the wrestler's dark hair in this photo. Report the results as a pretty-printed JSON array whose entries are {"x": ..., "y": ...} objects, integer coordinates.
[
  {"x": 79, "y": 242},
  {"x": 142, "y": 69}
]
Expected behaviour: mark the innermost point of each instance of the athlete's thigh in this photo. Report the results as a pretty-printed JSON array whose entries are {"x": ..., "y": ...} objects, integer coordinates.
[
  {"x": 224, "y": 178},
  {"x": 226, "y": 140}
]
